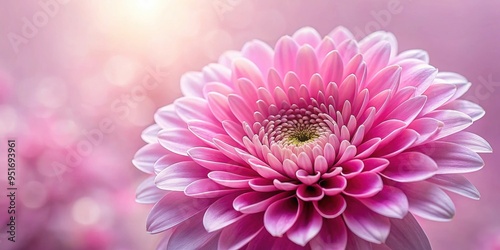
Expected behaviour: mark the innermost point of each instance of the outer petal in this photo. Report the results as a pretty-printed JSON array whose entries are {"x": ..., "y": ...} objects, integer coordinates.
[
  {"x": 390, "y": 202},
  {"x": 428, "y": 201},
  {"x": 147, "y": 192},
  {"x": 179, "y": 175},
  {"x": 365, "y": 223},
  {"x": 457, "y": 184},
  {"x": 333, "y": 235},
  {"x": 407, "y": 234},
  {"x": 173, "y": 209},
  {"x": 306, "y": 227},
  {"x": 240, "y": 233},
  {"x": 221, "y": 213},
  {"x": 192, "y": 235},
  {"x": 410, "y": 166}
]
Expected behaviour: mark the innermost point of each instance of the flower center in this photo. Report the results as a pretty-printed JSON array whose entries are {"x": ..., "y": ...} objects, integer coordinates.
[{"x": 296, "y": 127}]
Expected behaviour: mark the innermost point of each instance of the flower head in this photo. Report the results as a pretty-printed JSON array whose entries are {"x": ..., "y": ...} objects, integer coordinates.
[{"x": 317, "y": 143}]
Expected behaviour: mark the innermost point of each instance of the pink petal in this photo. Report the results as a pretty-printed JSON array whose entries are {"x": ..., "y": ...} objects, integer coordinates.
[
  {"x": 326, "y": 46},
  {"x": 471, "y": 109},
  {"x": 357, "y": 67},
  {"x": 262, "y": 185},
  {"x": 367, "y": 148},
  {"x": 221, "y": 214},
  {"x": 452, "y": 158},
  {"x": 426, "y": 128},
  {"x": 167, "y": 118},
  {"x": 206, "y": 188},
  {"x": 457, "y": 184},
  {"x": 285, "y": 186},
  {"x": 470, "y": 141},
  {"x": 348, "y": 49},
  {"x": 407, "y": 234},
  {"x": 192, "y": 235},
  {"x": 192, "y": 84},
  {"x": 340, "y": 34},
  {"x": 365, "y": 223},
  {"x": 193, "y": 108},
  {"x": 173, "y": 209},
  {"x": 310, "y": 193},
  {"x": 260, "y": 53},
  {"x": 264, "y": 170},
  {"x": 213, "y": 159},
  {"x": 234, "y": 130},
  {"x": 147, "y": 192},
  {"x": 307, "y": 35},
  {"x": 179, "y": 175},
  {"x": 240, "y": 108},
  {"x": 333, "y": 235},
  {"x": 146, "y": 156},
  {"x": 334, "y": 185},
  {"x": 356, "y": 243},
  {"x": 428, "y": 201},
  {"x": 375, "y": 165},
  {"x": 377, "y": 58},
  {"x": 244, "y": 68},
  {"x": 330, "y": 206},
  {"x": 437, "y": 95},
  {"x": 228, "y": 147},
  {"x": 179, "y": 140},
  {"x": 307, "y": 179},
  {"x": 352, "y": 168},
  {"x": 237, "y": 235},
  {"x": 168, "y": 160},
  {"x": 281, "y": 215},
  {"x": 454, "y": 121},
  {"x": 306, "y": 227},
  {"x": 410, "y": 167},
  {"x": 219, "y": 105},
  {"x": 205, "y": 131},
  {"x": 364, "y": 185},
  {"x": 390, "y": 202},
  {"x": 408, "y": 110},
  {"x": 285, "y": 53},
  {"x": 332, "y": 68},
  {"x": 229, "y": 179},
  {"x": 150, "y": 134},
  {"x": 306, "y": 64},
  {"x": 387, "y": 78},
  {"x": 254, "y": 202},
  {"x": 215, "y": 72},
  {"x": 420, "y": 76}
]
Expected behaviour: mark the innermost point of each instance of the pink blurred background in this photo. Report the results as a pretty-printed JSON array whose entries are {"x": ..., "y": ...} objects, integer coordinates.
[{"x": 68, "y": 67}]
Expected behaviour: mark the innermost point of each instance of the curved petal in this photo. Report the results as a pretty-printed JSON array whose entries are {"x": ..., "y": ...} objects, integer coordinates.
[
  {"x": 452, "y": 158},
  {"x": 179, "y": 175},
  {"x": 428, "y": 201},
  {"x": 147, "y": 192},
  {"x": 407, "y": 234},
  {"x": 330, "y": 206},
  {"x": 310, "y": 193},
  {"x": 333, "y": 235},
  {"x": 173, "y": 209},
  {"x": 410, "y": 167},
  {"x": 179, "y": 140},
  {"x": 364, "y": 185},
  {"x": 470, "y": 140},
  {"x": 365, "y": 223},
  {"x": 306, "y": 227},
  {"x": 254, "y": 202},
  {"x": 146, "y": 156},
  {"x": 206, "y": 188},
  {"x": 240, "y": 233},
  {"x": 467, "y": 107},
  {"x": 390, "y": 202},
  {"x": 457, "y": 184},
  {"x": 192, "y": 235},
  {"x": 281, "y": 215},
  {"x": 229, "y": 179},
  {"x": 221, "y": 213}
]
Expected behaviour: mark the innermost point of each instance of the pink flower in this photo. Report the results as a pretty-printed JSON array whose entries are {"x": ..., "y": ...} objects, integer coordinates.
[{"x": 316, "y": 143}]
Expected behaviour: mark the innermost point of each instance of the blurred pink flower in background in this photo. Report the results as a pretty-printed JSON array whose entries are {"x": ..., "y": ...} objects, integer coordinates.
[{"x": 319, "y": 142}]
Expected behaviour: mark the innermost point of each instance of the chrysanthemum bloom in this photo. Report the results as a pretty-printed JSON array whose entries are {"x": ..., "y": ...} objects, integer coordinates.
[{"x": 316, "y": 143}]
